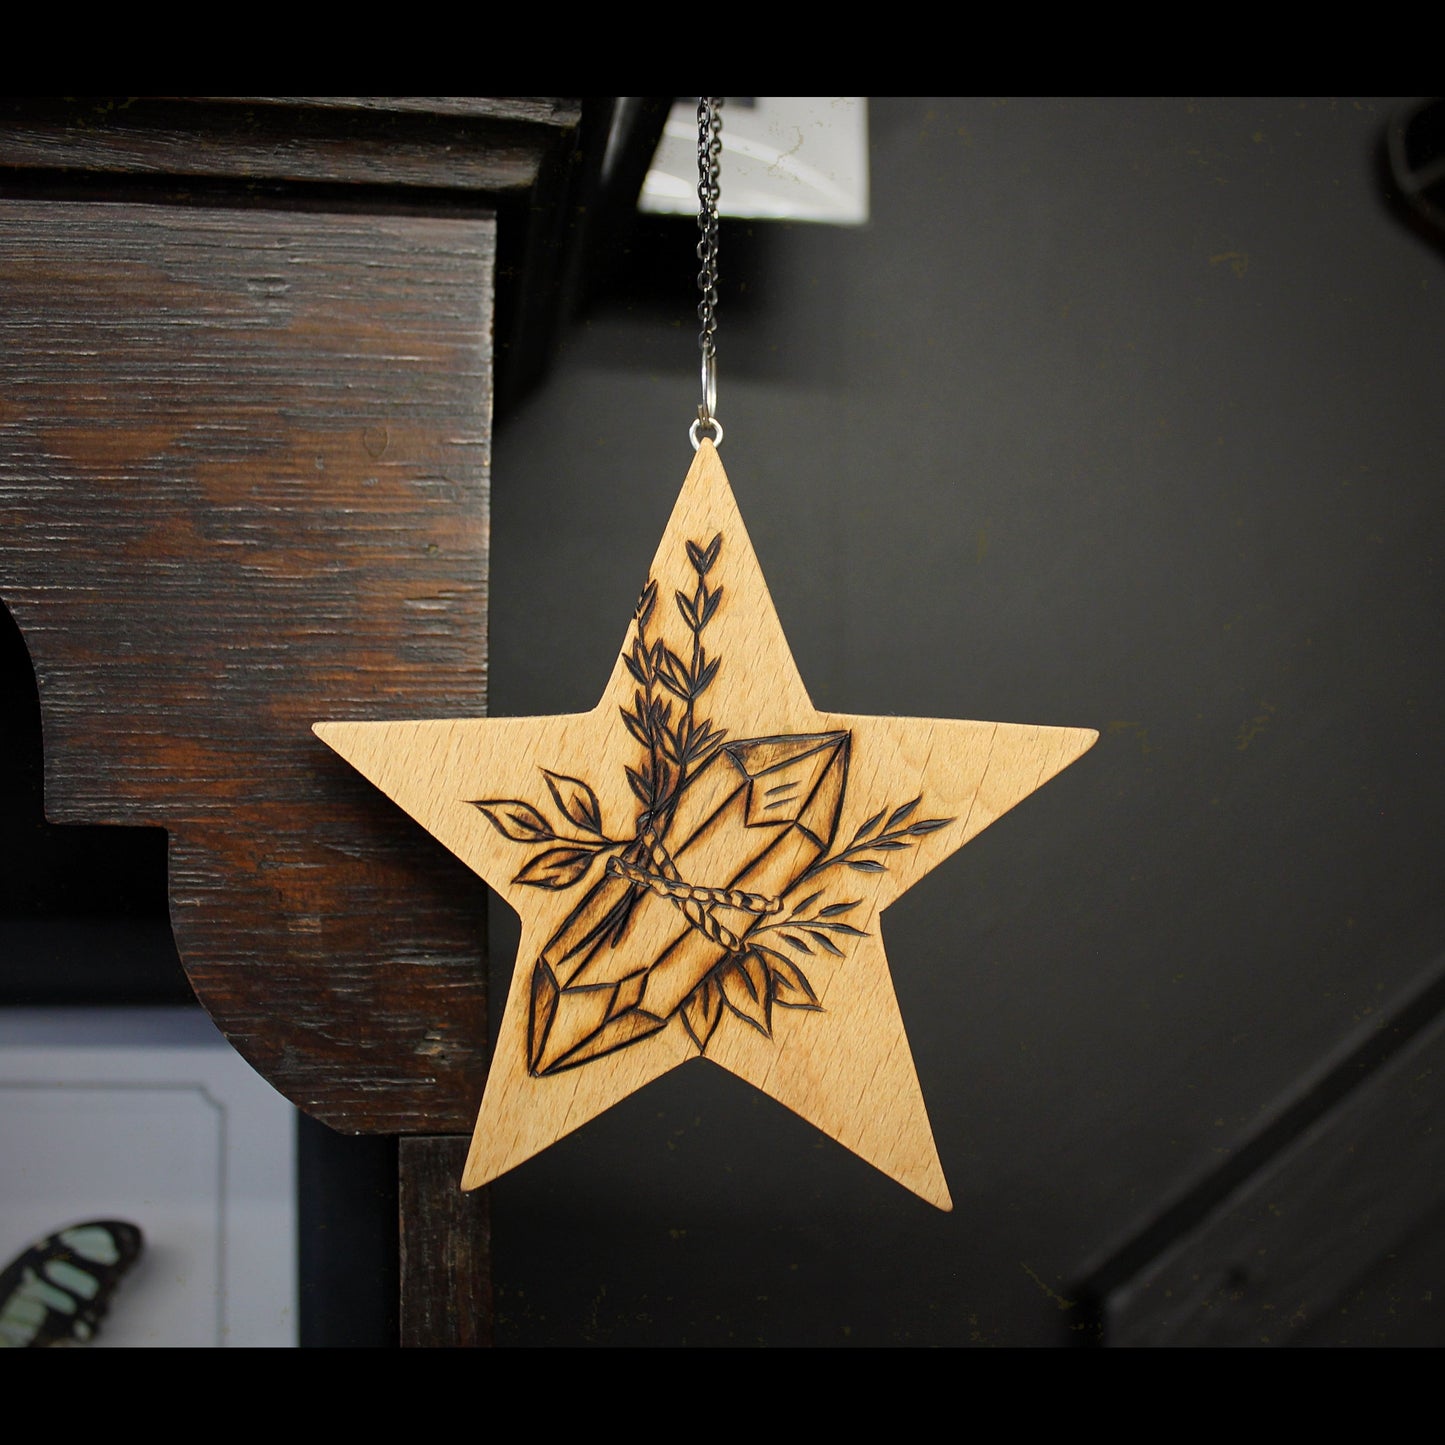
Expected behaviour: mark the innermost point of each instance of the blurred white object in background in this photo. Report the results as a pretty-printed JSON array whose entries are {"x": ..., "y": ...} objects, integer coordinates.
[
  {"x": 800, "y": 159},
  {"x": 150, "y": 1116}
]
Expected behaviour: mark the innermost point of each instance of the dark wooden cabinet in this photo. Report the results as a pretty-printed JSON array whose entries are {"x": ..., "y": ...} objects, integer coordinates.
[
  {"x": 244, "y": 453},
  {"x": 248, "y": 370}
]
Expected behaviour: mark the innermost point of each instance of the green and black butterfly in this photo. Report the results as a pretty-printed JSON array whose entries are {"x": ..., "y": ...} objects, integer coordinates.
[{"x": 58, "y": 1291}]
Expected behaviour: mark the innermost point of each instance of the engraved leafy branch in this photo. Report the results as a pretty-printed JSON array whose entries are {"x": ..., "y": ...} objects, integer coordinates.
[
  {"x": 817, "y": 926},
  {"x": 563, "y": 866},
  {"x": 663, "y": 718},
  {"x": 876, "y": 836},
  {"x": 751, "y": 984},
  {"x": 748, "y": 985},
  {"x": 677, "y": 741}
]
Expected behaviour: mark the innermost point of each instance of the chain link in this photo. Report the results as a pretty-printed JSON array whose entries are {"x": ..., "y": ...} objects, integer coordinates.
[{"x": 709, "y": 165}]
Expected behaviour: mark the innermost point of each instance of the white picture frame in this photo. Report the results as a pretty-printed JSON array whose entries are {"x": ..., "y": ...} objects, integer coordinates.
[{"x": 149, "y": 1115}]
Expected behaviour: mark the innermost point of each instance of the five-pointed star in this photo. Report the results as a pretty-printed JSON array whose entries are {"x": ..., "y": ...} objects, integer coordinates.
[{"x": 700, "y": 861}]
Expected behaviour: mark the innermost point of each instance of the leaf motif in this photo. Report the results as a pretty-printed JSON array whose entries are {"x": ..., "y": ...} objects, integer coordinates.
[
  {"x": 888, "y": 845},
  {"x": 704, "y": 745},
  {"x": 899, "y": 814},
  {"x": 813, "y": 925},
  {"x": 796, "y": 942},
  {"x": 703, "y": 558},
  {"x": 753, "y": 974},
  {"x": 834, "y": 909},
  {"x": 929, "y": 825},
  {"x": 646, "y": 601},
  {"x": 639, "y": 786},
  {"x": 634, "y": 668},
  {"x": 577, "y": 801},
  {"x": 708, "y": 673},
  {"x": 557, "y": 868},
  {"x": 806, "y": 903},
  {"x": 789, "y": 984},
  {"x": 689, "y": 612},
  {"x": 713, "y": 598},
  {"x": 705, "y": 734},
  {"x": 865, "y": 865},
  {"x": 744, "y": 984},
  {"x": 516, "y": 820},
  {"x": 701, "y": 1012},
  {"x": 679, "y": 688},
  {"x": 826, "y": 942},
  {"x": 870, "y": 825},
  {"x": 634, "y": 726}
]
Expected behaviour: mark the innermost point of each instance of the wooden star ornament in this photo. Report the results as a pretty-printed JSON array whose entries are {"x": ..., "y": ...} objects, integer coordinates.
[{"x": 700, "y": 862}]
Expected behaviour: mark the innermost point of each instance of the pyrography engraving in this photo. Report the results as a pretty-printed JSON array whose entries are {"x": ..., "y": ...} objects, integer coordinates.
[{"x": 714, "y": 900}]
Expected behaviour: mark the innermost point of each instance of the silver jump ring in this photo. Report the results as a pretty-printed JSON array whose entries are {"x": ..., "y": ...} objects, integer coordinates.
[
  {"x": 709, "y": 383},
  {"x": 711, "y": 421}
]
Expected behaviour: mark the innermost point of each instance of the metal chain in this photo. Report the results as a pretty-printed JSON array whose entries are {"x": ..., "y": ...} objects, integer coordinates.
[{"x": 709, "y": 165}]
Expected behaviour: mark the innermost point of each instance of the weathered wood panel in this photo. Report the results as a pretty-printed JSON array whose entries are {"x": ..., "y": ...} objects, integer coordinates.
[
  {"x": 544, "y": 110},
  {"x": 446, "y": 1248},
  {"x": 243, "y": 475},
  {"x": 488, "y": 146}
]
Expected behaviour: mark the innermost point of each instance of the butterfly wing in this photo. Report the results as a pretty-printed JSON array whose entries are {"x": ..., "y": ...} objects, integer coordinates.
[{"x": 58, "y": 1291}]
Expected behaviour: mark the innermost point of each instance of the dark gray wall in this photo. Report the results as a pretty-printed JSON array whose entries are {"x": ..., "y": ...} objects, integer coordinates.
[{"x": 1118, "y": 413}]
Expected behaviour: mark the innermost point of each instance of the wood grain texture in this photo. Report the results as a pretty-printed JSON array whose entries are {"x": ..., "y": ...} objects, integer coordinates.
[
  {"x": 243, "y": 470},
  {"x": 701, "y": 861},
  {"x": 563, "y": 112},
  {"x": 446, "y": 1277},
  {"x": 492, "y": 147}
]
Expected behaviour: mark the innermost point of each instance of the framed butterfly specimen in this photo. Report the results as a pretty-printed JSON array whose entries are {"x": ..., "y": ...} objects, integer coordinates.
[{"x": 58, "y": 1291}]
